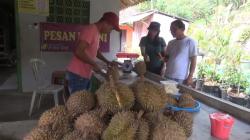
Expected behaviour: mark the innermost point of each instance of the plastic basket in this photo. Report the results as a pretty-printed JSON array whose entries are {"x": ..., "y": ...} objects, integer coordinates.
[{"x": 188, "y": 109}]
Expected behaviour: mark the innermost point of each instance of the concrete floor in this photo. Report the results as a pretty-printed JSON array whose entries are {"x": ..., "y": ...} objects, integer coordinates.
[
  {"x": 14, "y": 106},
  {"x": 16, "y": 130},
  {"x": 201, "y": 126}
]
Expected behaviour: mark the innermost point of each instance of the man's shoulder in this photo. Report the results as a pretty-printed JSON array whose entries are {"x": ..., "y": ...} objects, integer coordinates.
[{"x": 191, "y": 41}]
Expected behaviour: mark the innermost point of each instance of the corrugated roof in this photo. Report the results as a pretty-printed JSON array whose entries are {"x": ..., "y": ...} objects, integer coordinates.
[
  {"x": 136, "y": 17},
  {"x": 141, "y": 15},
  {"x": 128, "y": 3}
]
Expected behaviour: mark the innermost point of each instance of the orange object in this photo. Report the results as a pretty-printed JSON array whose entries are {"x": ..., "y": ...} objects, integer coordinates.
[
  {"x": 221, "y": 125},
  {"x": 127, "y": 55}
]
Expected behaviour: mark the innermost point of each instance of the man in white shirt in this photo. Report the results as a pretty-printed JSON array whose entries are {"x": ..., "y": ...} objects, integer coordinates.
[{"x": 181, "y": 54}]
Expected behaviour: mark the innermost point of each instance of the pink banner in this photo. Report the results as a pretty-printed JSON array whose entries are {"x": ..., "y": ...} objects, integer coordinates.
[{"x": 57, "y": 37}]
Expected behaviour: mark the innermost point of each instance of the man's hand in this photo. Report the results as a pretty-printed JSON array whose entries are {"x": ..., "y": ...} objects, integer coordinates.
[
  {"x": 96, "y": 68},
  {"x": 166, "y": 58},
  {"x": 113, "y": 63},
  {"x": 188, "y": 81}
]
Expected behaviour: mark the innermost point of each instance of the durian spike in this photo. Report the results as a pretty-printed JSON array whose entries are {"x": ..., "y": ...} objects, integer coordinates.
[
  {"x": 112, "y": 85},
  {"x": 141, "y": 112}
]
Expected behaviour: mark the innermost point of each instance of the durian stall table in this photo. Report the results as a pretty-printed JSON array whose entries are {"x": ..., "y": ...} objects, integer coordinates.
[{"x": 201, "y": 126}]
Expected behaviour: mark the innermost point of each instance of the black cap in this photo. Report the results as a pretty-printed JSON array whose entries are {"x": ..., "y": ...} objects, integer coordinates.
[{"x": 154, "y": 26}]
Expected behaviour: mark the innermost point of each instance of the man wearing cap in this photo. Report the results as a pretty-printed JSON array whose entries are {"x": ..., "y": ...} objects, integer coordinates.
[
  {"x": 79, "y": 70},
  {"x": 152, "y": 48}
]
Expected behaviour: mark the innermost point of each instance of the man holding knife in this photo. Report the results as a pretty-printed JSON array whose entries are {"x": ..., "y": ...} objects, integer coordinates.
[{"x": 83, "y": 62}]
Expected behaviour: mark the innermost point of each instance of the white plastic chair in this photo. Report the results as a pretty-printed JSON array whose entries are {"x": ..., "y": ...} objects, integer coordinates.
[{"x": 41, "y": 87}]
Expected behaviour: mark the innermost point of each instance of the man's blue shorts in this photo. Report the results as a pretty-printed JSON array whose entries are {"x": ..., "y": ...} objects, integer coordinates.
[{"x": 76, "y": 82}]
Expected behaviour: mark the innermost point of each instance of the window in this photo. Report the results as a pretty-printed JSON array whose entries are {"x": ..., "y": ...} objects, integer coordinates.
[{"x": 69, "y": 11}]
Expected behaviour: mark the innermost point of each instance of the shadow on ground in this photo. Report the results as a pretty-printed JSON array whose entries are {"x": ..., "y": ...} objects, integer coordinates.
[
  {"x": 15, "y": 106},
  {"x": 5, "y": 73},
  {"x": 3, "y": 137}
]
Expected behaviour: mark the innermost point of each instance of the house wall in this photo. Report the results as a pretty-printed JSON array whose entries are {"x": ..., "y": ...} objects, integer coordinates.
[
  {"x": 128, "y": 38},
  {"x": 29, "y": 43}
]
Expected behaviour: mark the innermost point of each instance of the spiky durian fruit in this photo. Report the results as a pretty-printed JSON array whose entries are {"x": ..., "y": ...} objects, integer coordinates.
[
  {"x": 185, "y": 120},
  {"x": 171, "y": 100},
  {"x": 143, "y": 130},
  {"x": 186, "y": 100},
  {"x": 115, "y": 97},
  {"x": 89, "y": 123},
  {"x": 80, "y": 102},
  {"x": 114, "y": 72},
  {"x": 77, "y": 135},
  {"x": 122, "y": 127},
  {"x": 137, "y": 107},
  {"x": 104, "y": 114},
  {"x": 40, "y": 133},
  {"x": 57, "y": 119},
  {"x": 74, "y": 135},
  {"x": 151, "y": 97},
  {"x": 168, "y": 130},
  {"x": 153, "y": 118},
  {"x": 140, "y": 68}
]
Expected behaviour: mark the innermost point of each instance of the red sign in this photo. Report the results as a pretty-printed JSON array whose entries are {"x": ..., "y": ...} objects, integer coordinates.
[{"x": 64, "y": 37}]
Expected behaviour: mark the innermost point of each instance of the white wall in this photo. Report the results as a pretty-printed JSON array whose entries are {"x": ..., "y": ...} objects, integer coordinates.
[{"x": 29, "y": 43}]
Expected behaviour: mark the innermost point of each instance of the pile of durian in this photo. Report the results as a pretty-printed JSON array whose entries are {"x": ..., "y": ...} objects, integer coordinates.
[{"x": 117, "y": 112}]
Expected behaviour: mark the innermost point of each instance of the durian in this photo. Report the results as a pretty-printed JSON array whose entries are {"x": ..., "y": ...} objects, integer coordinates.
[
  {"x": 115, "y": 96},
  {"x": 171, "y": 100},
  {"x": 186, "y": 100},
  {"x": 143, "y": 130},
  {"x": 151, "y": 97},
  {"x": 185, "y": 120},
  {"x": 77, "y": 135},
  {"x": 114, "y": 72},
  {"x": 104, "y": 114},
  {"x": 140, "y": 68},
  {"x": 57, "y": 119},
  {"x": 74, "y": 135},
  {"x": 123, "y": 126},
  {"x": 168, "y": 130},
  {"x": 89, "y": 123},
  {"x": 40, "y": 133},
  {"x": 153, "y": 118},
  {"x": 80, "y": 102}
]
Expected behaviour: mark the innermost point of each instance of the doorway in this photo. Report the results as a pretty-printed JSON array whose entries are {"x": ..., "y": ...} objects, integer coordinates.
[{"x": 8, "y": 53}]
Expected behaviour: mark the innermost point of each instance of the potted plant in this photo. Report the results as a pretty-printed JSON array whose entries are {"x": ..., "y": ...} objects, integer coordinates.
[
  {"x": 238, "y": 85},
  {"x": 208, "y": 70}
]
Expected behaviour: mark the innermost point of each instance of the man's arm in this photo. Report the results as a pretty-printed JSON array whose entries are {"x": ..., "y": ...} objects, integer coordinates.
[
  {"x": 189, "y": 81},
  {"x": 143, "y": 53},
  {"x": 192, "y": 66},
  {"x": 84, "y": 57},
  {"x": 101, "y": 57}
]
